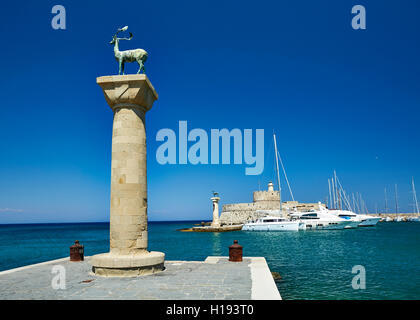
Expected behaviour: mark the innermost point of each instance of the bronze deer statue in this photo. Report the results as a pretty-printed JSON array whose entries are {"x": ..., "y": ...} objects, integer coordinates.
[{"x": 138, "y": 55}]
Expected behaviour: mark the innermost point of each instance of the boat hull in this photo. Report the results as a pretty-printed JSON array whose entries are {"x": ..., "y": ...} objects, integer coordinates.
[
  {"x": 370, "y": 222},
  {"x": 281, "y": 226},
  {"x": 326, "y": 225}
]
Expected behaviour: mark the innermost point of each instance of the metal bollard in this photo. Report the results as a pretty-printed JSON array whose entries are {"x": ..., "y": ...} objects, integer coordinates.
[
  {"x": 235, "y": 252},
  {"x": 77, "y": 252}
]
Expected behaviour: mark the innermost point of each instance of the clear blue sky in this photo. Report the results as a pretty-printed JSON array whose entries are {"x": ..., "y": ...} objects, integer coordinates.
[{"x": 337, "y": 99}]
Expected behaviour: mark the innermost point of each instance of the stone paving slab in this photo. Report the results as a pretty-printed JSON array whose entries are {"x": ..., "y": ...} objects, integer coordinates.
[{"x": 215, "y": 278}]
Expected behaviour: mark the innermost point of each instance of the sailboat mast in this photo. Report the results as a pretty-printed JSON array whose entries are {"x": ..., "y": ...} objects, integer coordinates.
[
  {"x": 415, "y": 196},
  {"x": 337, "y": 190},
  {"x": 386, "y": 203},
  {"x": 396, "y": 199},
  {"x": 329, "y": 192},
  {"x": 360, "y": 203},
  {"x": 285, "y": 177},
  {"x": 278, "y": 174},
  {"x": 344, "y": 200},
  {"x": 354, "y": 203}
]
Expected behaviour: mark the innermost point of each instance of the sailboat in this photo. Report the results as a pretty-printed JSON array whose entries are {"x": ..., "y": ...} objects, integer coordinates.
[
  {"x": 274, "y": 223},
  {"x": 397, "y": 218},
  {"x": 416, "y": 204},
  {"x": 362, "y": 220}
]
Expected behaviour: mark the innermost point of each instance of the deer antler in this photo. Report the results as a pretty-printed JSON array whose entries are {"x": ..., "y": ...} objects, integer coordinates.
[
  {"x": 131, "y": 36},
  {"x": 121, "y": 29}
]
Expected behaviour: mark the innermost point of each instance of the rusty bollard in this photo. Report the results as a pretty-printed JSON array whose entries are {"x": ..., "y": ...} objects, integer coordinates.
[
  {"x": 235, "y": 252},
  {"x": 77, "y": 252}
]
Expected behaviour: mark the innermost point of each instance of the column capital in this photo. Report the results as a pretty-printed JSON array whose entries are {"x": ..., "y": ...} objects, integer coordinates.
[{"x": 128, "y": 90}]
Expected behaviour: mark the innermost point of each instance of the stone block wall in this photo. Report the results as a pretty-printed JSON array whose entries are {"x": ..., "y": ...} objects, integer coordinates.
[
  {"x": 239, "y": 217},
  {"x": 266, "y": 196}
]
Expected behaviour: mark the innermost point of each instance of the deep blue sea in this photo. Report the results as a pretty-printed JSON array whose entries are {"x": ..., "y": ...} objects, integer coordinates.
[{"x": 313, "y": 264}]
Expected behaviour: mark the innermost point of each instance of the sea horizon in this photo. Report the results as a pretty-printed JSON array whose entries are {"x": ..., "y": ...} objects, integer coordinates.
[
  {"x": 157, "y": 221},
  {"x": 150, "y": 221}
]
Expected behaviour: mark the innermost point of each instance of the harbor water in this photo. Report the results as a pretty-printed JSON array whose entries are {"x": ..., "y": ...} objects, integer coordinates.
[{"x": 312, "y": 264}]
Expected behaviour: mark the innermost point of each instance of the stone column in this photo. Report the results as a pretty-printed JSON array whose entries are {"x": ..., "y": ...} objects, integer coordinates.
[
  {"x": 130, "y": 97},
  {"x": 215, "y": 222}
]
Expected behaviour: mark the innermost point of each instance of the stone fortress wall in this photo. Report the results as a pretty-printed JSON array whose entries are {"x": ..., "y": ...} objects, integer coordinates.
[
  {"x": 264, "y": 202},
  {"x": 266, "y": 196}
]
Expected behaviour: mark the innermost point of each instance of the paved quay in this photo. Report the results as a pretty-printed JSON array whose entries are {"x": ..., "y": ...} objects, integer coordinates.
[{"x": 214, "y": 278}]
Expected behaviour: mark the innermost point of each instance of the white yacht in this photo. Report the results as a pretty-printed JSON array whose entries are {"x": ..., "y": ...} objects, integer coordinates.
[
  {"x": 363, "y": 219},
  {"x": 272, "y": 223},
  {"x": 322, "y": 219},
  {"x": 368, "y": 221}
]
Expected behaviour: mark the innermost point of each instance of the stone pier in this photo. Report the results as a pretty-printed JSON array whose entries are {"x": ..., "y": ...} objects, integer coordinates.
[
  {"x": 215, "y": 223},
  {"x": 130, "y": 97},
  {"x": 215, "y": 278}
]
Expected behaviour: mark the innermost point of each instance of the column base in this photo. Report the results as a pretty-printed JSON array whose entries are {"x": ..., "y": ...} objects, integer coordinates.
[{"x": 133, "y": 265}]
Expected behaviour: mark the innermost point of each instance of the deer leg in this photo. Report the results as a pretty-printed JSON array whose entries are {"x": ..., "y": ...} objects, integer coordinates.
[
  {"x": 140, "y": 66},
  {"x": 122, "y": 67},
  {"x": 143, "y": 60},
  {"x": 120, "y": 63}
]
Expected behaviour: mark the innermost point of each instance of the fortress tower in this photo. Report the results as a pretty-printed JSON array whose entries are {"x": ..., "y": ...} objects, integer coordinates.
[{"x": 269, "y": 197}]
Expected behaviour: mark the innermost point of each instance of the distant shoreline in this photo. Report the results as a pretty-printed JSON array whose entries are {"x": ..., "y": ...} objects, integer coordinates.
[
  {"x": 153, "y": 221},
  {"x": 97, "y": 222}
]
